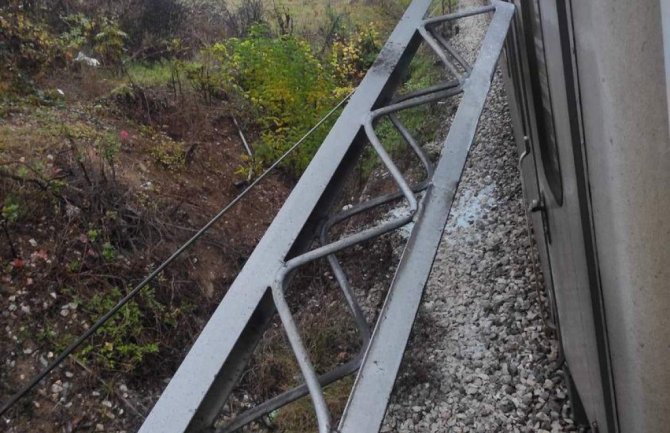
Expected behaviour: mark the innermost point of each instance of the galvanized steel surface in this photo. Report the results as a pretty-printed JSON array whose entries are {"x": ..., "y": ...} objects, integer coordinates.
[
  {"x": 202, "y": 383},
  {"x": 381, "y": 360}
]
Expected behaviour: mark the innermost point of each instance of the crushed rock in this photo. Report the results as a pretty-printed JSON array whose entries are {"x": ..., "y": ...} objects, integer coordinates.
[{"x": 480, "y": 358}]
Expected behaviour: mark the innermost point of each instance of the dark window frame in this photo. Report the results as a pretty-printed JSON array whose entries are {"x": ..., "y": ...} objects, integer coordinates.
[{"x": 541, "y": 99}]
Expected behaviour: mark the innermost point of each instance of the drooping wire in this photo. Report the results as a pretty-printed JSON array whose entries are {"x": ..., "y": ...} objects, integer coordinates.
[{"x": 137, "y": 289}]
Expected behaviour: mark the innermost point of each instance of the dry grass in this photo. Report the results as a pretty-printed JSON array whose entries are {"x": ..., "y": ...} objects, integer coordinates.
[
  {"x": 299, "y": 417},
  {"x": 310, "y": 17}
]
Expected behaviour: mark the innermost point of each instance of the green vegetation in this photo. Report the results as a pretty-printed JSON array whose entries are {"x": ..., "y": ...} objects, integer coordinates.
[
  {"x": 170, "y": 154},
  {"x": 120, "y": 343},
  {"x": 151, "y": 74},
  {"x": 288, "y": 88},
  {"x": 10, "y": 210},
  {"x": 287, "y": 82}
]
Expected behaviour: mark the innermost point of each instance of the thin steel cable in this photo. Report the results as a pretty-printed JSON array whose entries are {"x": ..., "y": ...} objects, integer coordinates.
[{"x": 90, "y": 331}]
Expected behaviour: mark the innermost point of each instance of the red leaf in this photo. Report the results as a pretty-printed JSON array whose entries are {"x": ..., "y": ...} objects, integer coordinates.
[{"x": 18, "y": 263}]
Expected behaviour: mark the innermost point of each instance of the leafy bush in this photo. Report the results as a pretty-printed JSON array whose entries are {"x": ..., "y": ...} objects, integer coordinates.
[
  {"x": 287, "y": 86},
  {"x": 110, "y": 42},
  {"x": 30, "y": 45},
  {"x": 351, "y": 58},
  {"x": 101, "y": 36},
  {"x": 118, "y": 344},
  {"x": 10, "y": 210},
  {"x": 80, "y": 31},
  {"x": 168, "y": 153},
  {"x": 26, "y": 49}
]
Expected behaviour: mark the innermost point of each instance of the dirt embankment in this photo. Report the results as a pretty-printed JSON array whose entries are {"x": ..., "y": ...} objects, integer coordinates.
[{"x": 96, "y": 191}]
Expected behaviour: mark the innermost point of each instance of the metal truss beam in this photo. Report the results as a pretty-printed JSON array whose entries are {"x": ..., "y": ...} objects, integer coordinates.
[{"x": 198, "y": 390}]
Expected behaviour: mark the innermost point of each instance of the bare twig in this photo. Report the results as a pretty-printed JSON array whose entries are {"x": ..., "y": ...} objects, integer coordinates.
[
  {"x": 9, "y": 239},
  {"x": 116, "y": 393}
]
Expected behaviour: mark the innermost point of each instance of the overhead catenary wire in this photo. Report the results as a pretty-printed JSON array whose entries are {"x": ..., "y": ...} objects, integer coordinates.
[{"x": 137, "y": 289}]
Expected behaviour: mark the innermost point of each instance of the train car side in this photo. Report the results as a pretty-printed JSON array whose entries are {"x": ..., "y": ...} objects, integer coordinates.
[{"x": 587, "y": 87}]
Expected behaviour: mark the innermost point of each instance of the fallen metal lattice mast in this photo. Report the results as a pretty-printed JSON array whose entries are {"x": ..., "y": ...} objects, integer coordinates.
[{"x": 194, "y": 397}]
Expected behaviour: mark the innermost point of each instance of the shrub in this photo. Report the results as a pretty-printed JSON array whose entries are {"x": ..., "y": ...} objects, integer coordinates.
[
  {"x": 351, "y": 58},
  {"x": 287, "y": 86},
  {"x": 26, "y": 49},
  {"x": 10, "y": 210},
  {"x": 99, "y": 36},
  {"x": 168, "y": 153},
  {"x": 119, "y": 344},
  {"x": 110, "y": 41}
]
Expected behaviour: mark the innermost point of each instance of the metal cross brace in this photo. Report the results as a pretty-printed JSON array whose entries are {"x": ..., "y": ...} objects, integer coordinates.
[{"x": 205, "y": 379}]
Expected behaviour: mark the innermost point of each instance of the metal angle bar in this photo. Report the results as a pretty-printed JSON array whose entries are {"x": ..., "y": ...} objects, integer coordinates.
[
  {"x": 367, "y": 404},
  {"x": 455, "y": 54},
  {"x": 460, "y": 14},
  {"x": 194, "y": 396},
  {"x": 432, "y": 43},
  {"x": 339, "y": 273},
  {"x": 423, "y": 158},
  {"x": 290, "y": 396},
  {"x": 278, "y": 289},
  {"x": 410, "y": 103},
  {"x": 431, "y": 89},
  {"x": 302, "y": 357},
  {"x": 247, "y": 146}
]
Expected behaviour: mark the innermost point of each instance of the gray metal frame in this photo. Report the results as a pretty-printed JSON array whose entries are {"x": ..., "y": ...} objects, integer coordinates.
[{"x": 194, "y": 396}]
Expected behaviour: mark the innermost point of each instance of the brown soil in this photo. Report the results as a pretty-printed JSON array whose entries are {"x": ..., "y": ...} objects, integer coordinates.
[{"x": 159, "y": 207}]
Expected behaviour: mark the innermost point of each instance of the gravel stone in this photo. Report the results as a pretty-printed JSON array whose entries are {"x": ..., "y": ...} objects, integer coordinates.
[{"x": 480, "y": 340}]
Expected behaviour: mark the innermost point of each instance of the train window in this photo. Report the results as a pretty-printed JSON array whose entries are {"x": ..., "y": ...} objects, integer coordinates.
[{"x": 539, "y": 78}]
